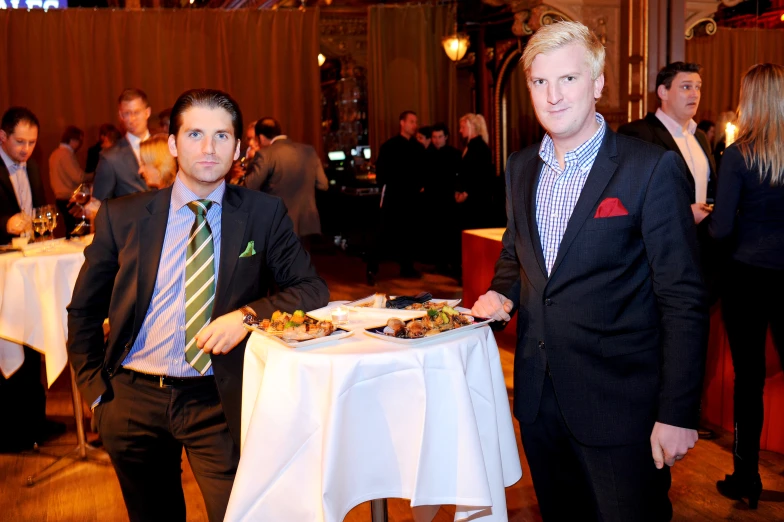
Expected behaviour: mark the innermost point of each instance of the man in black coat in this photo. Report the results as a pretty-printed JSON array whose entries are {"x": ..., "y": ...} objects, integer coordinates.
[
  {"x": 176, "y": 271},
  {"x": 599, "y": 260}
]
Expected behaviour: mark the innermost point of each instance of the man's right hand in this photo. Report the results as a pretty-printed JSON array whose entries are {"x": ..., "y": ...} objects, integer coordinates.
[
  {"x": 700, "y": 211},
  {"x": 17, "y": 224},
  {"x": 493, "y": 306}
]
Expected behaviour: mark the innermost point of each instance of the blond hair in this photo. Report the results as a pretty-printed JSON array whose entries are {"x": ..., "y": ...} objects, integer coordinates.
[
  {"x": 761, "y": 121},
  {"x": 559, "y": 34},
  {"x": 154, "y": 151},
  {"x": 478, "y": 124}
]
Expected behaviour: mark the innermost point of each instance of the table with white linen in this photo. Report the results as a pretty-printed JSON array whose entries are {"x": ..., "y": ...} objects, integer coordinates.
[
  {"x": 34, "y": 291},
  {"x": 327, "y": 427}
]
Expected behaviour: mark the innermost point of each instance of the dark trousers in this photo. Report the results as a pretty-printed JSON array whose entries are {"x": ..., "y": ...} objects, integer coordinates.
[
  {"x": 751, "y": 302},
  {"x": 144, "y": 428},
  {"x": 577, "y": 482},
  {"x": 23, "y": 405},
  {"x": 68, "y": 219},
  {"x": 395, "y": 225}
]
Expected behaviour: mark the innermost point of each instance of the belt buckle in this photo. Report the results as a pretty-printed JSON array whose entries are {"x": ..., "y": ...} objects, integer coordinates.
[{"x": 162, "y": 383}]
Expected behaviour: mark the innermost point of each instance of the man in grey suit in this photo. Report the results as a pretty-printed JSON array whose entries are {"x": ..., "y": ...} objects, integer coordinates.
[
  {"x": 292, "y": 171},
  {"x": 117, "y": 173}
]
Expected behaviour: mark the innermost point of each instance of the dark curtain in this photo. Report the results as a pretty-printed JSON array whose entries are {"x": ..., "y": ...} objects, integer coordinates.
[
  {"x": 69, "y": 66},
  {"x": 409, "y": 70}
]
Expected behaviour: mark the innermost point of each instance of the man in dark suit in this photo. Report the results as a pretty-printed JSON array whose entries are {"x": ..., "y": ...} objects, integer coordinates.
[
  {"x": 117, "y": 173},
  {"x": 442, "y": 163},
  {"x": 599, "y": 259},
  {"x": 22, "y": 393},
  {"x": 291, "y": 171},
  {"x": 176, "y": 271}
]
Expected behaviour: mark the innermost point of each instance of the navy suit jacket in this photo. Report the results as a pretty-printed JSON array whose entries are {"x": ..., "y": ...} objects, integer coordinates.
[
  {"x": 118, "y": 277},
  {"x": 622, "y": 320},
  {"x": 117, "y": 173},
  {"x": 8, "y": 203}
]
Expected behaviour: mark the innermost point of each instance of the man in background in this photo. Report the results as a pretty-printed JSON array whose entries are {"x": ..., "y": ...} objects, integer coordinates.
[
  {"x": 442, "y": 164},
  {"x": 65, "y": 174}
]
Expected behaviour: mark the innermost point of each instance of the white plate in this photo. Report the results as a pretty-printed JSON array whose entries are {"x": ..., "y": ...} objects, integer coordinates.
[
  {"x": 357, "y": 305},
  {"x": 375, "y": 332},
  {"x": 338, "y": 334}
]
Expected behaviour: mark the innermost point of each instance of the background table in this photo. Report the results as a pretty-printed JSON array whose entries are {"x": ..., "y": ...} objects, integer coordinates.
[{"x": 326, "y": 428}]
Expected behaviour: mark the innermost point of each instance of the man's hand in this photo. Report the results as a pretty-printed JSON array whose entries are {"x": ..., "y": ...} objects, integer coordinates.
[
  {"x": 222, "y": 334},
  {"x": 18, "y": 223},
  {"x": 493, "y": 306},
  {"x": 700, "y": 211},
  {"x": 460, "y": 197},
  {"x": 670, "y": 443}
]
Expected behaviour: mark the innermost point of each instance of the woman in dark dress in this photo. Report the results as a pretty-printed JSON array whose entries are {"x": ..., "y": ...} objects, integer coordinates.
[
  {"x": 750, "y": 210},
  {"x": 475, "y": 177}
]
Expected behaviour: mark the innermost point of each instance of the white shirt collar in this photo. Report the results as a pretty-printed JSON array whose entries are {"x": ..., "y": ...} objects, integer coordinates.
[
  {"x": 135, "y": 141},
  {"x": 66, "y": 146},
  {"x": 673, "y": 126},
  {"x": 276, "y": 138},
  {"x": 8, "y": 161}
]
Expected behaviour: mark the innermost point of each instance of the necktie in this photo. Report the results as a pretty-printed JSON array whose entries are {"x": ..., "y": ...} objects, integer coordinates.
[{"x": 199, "y": 283}]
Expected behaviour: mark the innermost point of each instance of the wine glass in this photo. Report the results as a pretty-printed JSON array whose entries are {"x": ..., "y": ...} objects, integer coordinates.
[
  {"x": 81, "y": 197},
  {"x": 40, "y": 222},
  {"x": 51, "y": 215}
]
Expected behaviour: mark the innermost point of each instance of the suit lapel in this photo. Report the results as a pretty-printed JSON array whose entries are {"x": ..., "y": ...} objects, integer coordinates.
[
  {"x": 7, "y": 186},
  {"x": 152, "y": 230},
  {"x": 233, "y": 225},
  {"x": 668, "y": 142},
  {"x": 531, "y": 172},
  {"x": 603, "y": 169}
]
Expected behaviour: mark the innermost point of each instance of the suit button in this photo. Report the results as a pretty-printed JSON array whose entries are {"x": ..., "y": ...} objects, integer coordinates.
[
  {"x": 548, "y": 302},
  {"x": 541, "y": 345}
]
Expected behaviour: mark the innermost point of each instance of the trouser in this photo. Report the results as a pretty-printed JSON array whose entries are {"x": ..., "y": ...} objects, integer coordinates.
[
  {"x": 751, "y": 302},
  {"x": 23, "y": 402}
]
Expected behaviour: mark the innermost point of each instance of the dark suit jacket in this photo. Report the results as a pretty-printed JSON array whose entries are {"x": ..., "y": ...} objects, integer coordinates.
[
  {"x": 120, "y": 268},
  {"x": 652, "y": 130},
  {"x": 291, "y": 171},
  {"x": 8, "y": 203},
  {"x": 117, "y": 173},
  {"x": 622, "y": 320}
]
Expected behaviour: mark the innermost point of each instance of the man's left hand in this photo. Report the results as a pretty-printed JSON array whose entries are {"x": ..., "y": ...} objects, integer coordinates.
[
  {"x": 222, "y": 334},
  {"x": 670, "y": 443}
]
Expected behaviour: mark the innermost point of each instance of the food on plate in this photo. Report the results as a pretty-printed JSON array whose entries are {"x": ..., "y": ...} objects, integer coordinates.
[
  {"x": 435, "y": 322},
  {"x": 379, "y": 300},
  {"x": 296, "y": 326}
]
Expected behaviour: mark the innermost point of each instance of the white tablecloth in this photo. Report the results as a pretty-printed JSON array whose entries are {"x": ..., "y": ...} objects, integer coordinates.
[
  {"x": 326, "y": 428},
  {"x": 34, "y": 292}
]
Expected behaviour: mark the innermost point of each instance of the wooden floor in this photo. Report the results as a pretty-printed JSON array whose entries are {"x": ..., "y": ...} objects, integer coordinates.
[{"x": 88, "y": 492}]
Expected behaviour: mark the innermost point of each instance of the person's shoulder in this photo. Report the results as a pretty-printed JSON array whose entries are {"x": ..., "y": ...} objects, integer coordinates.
[
  {"x": 632, "y": 145},
  {"x": 525, "y": 154},
  {"x": 117, "y": 150},
  {"x": 126, "y": 205},
  {"x": 252, "y": 200}
]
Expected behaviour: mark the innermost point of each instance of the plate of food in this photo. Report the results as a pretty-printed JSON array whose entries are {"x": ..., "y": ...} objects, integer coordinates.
[
  {"x": 419, "y": 302},
  {"x": 437, "y": 324},
  {"x": 296, "y": 329}
]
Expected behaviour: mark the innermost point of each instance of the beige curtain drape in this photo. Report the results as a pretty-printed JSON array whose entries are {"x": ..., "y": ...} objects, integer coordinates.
[
  {"x": 725, "y": 57},
  {"x": 69, "y": 66},
  {"x": 408, "y": 69}
]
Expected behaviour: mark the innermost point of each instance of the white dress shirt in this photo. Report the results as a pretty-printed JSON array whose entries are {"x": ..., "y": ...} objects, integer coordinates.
[
  {"x": 692, "y": 153},
  {"x": 136, "y": 144}
]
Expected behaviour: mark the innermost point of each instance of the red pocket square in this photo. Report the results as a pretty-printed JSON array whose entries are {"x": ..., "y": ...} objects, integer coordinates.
[{"x": 611, "y": 207}]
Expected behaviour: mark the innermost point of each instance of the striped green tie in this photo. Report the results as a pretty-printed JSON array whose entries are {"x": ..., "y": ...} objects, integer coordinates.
[{"x": 199, "y": 283}]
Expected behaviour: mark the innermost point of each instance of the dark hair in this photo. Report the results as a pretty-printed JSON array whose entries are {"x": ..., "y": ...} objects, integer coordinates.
[
  {"x": 671, "y": 70},
  {"x": 133, "y": 94},
  {"x": 404, "y": 114},
  {"x": 705, "y": 125},
  {"x": 425, "y": 131},
  {"x": 110, "y": 131},
  {"x": 72, "y": 133},
  {"x": 16, "y": 115},
  {"x": 164, "y": 115},
  {"x": 268, "y": 127},
  {"x": 210, "y": 99},
  {"x": 439, "y": 127}
]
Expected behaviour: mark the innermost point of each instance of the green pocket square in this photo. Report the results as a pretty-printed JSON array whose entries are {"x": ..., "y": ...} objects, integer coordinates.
[{"x": 249, "y": 250}]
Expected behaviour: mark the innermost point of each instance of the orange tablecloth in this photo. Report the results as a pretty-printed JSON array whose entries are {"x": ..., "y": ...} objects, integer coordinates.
[{"x": 480, "y": 252}]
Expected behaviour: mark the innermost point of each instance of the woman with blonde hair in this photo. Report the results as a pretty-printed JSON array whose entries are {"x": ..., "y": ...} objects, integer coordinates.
[
  {"x": 158, "y": 167},
  {"x": 750, "y": 210},
  {"x": 472, "y": 188}
]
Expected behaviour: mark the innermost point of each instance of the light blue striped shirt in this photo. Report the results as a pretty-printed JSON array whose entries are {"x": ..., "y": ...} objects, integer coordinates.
[
  {"x": 159, "y": 348},
  {"x": 559, "y": 190}
]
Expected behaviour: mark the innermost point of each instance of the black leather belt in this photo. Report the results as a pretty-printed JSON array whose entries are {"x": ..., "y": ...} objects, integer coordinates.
[{"x": 164, "y": 381}]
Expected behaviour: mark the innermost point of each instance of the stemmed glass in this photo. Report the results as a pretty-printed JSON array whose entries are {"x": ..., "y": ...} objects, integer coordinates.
[
  {"x": 51, "y": 215},
  {"x": 40, "y": 222},
  {"x": 81, "y": 197}
]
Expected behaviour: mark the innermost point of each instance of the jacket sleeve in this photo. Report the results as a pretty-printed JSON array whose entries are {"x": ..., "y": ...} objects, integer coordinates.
[
  {"x": 258, "y": 172},
  {"x": 300, "y": 287},
  {"x": 670, "y": 239},
  {"x": 89, "y": 307},
  {"x": 105, "y": 179},
  {"x": 506, "y": 280},
  {"x": 728, "y": 191}
]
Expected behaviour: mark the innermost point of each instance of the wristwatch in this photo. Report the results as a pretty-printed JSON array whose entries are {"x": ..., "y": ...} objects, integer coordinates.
[{"x": 248, "y": 315}]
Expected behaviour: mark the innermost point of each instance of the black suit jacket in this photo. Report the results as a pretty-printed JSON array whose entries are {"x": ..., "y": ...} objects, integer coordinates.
[
  {"x": 8, "y": 203},
  {"x": 120, "y": 269},
  {"x": 622, "y": 319},
  {"x": 652, "y": 130},
  {"x": 117, "y": 173}
]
